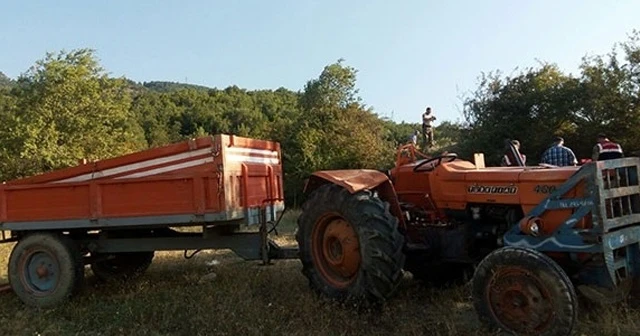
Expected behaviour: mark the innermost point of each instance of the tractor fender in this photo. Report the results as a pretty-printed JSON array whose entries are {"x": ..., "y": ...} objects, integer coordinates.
[{"x": 355, "y": 180}]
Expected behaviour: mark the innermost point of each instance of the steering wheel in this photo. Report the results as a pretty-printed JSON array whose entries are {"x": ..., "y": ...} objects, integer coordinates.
[{"x": 449, "y": 157}]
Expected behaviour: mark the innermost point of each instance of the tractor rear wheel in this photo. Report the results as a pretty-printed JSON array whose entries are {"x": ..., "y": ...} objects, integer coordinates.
[
  {"x": 524, "y": 292},
  {"x": 350, "y": 246},
  {"x": 45, "y": 269}
]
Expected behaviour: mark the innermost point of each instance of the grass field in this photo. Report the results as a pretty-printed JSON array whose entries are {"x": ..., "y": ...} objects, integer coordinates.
[{"x": 249, "y": 299}]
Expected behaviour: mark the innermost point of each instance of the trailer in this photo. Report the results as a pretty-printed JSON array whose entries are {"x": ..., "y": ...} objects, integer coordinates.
[{"x": 114, "y": 214}]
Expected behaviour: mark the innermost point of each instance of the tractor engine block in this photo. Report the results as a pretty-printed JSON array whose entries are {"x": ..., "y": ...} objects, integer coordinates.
[{"x": 463, "y": 236}]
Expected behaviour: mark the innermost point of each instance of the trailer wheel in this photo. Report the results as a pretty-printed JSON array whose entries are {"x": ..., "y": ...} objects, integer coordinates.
[
  {"x": 350, "y": 246},
  {"x": 525, "y": 292},
  {"x": 45, "y": 269},
  {"x": 122, "y": 266}
]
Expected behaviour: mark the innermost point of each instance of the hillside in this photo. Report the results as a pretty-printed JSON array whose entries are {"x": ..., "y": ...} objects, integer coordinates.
[{"x": 161, "y": 86}]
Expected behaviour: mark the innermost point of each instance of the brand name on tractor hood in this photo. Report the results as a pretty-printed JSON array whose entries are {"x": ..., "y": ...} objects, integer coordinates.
[{"x": 488, "y": 189}]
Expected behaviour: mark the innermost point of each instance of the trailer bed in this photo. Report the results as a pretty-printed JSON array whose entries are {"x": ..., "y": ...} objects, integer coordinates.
[{"x": 215, "y": 180}]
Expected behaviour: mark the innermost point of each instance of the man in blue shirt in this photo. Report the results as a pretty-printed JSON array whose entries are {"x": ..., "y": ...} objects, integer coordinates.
[{"x": 559, "y": 155}]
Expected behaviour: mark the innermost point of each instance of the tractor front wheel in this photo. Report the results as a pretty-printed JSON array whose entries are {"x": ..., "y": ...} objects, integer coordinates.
[
  {"x": 524, "y": 292},
  {"x": 350, "y": 246}
]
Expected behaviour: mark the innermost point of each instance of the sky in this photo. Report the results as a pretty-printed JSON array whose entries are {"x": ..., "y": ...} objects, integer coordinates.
[{"x": 409, "y": 54}]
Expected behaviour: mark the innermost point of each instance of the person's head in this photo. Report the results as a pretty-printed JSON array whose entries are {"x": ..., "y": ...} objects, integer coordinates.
[
  {"x": 558, "y": 141},
  {"x": 428, "y": 110},
  {"x": 602, "y": 137},
  {"x": 416, "y": 132},
  {"x": 515, "y": 144}
]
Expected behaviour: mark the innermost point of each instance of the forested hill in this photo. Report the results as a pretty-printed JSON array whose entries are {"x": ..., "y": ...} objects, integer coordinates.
[
  {"x": 161, "y": 86},
  {"x": 66, "y": 107}
]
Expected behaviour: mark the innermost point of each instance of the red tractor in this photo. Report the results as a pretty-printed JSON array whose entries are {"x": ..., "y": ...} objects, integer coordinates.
[{"x": 531, "y": 236}]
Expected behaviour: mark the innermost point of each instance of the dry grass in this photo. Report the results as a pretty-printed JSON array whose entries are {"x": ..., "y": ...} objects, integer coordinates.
[{"x": 249, "y": 299}]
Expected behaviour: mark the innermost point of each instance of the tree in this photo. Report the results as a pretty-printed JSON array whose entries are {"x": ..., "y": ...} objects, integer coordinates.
[
  {"x": 532, "y": 107},
  {"x": 539, "y": 103},
  {"x": 334, "y": 130},
  {"x": 68, "y": 109},
  {"x": 5, "y": 82}
]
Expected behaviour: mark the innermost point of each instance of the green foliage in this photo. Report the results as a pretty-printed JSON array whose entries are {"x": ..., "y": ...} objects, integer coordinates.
[
  {"x": 334, "y": 130},
  {"x": 538, "y": 104},
  {"x": 161, "y": 86},
  {"x": 66, "y": 108},
  {"x": 5, "y": 82}
]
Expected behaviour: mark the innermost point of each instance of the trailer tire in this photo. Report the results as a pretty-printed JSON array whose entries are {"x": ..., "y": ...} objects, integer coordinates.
[
  {"x": 523, "y": 291},
  {"x": 122, "y": 266},
  {"x": 350, "y": 246},
  {"x": 51, "y": 256}
]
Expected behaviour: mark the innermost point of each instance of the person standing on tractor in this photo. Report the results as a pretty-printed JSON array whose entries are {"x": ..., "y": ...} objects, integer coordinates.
[
  {"x": 427, "y": 129},
  {"x": 559, "y": 155},
  {"x": 413, "y": 139},
  {"x": 606, "y": 149},
  {"x": 509, "y": 159}
]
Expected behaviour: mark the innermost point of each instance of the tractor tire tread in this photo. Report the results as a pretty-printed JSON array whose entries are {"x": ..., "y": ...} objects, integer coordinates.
[
  {"x": 381, "y": 244},
  {"x": 566, "y": 308}
]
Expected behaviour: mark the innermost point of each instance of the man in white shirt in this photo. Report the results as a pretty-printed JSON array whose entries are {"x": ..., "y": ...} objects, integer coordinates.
[{"x": 427, "y": 129}]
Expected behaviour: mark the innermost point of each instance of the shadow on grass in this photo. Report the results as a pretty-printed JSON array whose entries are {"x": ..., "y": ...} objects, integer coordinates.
[
  {"x": 249, "y": 299},
  {"x": 245, "y": 298}
]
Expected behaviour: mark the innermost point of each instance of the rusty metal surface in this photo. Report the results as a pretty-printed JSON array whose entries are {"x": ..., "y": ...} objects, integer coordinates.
[
  {"x": 336, "y": 250},
  {"x": 520, "y": 300},
  {"x": 353, "y": 179}
]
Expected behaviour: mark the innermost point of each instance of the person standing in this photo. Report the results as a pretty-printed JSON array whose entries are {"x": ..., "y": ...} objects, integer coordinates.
[
  {"x": 413, "y": 139},
  {"x": 559, "y": 155},
  {"x": 509, "y": 159},
  {"x": 427, "y": 129},
  {"x": 606, "y": 149}
]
